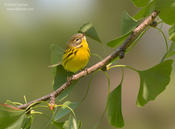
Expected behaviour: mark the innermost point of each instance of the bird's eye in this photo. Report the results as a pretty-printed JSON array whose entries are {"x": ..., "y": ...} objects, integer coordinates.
[{"x": 77, "y": 40}]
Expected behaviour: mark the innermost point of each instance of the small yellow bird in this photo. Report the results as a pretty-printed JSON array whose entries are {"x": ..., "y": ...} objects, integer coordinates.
[{"x": 77, "y": 53}]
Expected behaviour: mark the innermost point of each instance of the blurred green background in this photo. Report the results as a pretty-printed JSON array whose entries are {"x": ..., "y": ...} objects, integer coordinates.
[{"x": 25, "y": 38}]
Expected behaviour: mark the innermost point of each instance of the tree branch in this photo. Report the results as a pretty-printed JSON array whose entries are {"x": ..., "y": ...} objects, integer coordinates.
[{"x": 148, "y": 21}]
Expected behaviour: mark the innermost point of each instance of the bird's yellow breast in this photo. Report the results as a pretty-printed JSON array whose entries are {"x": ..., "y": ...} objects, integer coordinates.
[{"x": 79, "y": 59}]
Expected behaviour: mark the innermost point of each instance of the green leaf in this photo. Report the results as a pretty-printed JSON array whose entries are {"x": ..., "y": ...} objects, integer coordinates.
[
  {"x": 153, "y": 81},
  {"x": 27, "y": 122},
  {"x": 9, "y": 102},
  {"x": 140, "y": 3},
  {"x": 172, "y": 33},
  {"x": 56, "y": 54},
  {"x": 60, "y": 78},
  {"x": 140, "y": 14},
  {"x": 18, "y": 123},
  {"x": 72, "y": 123},
  {"x": 114, "y": 108},
  {"x": 118, "y": 41},
  {"x": 89, "y": 30},
  {"x": 170, "y": 52},
  {"x": 145, "y": 11},
  {"x": 128, "y": 23},
  {"x": 59, "y": 125},
  {"x": 167, "y": 10},
  {"x": 63, "y": 111},
  {"x": 10, "y": 116}
]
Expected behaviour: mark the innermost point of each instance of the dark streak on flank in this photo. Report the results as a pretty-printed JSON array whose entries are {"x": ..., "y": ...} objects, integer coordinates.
[{"x": 75, "y": 52}]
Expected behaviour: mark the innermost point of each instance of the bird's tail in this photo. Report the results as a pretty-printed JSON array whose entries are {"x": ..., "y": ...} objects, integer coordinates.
[{"x": 54, "y": 65}]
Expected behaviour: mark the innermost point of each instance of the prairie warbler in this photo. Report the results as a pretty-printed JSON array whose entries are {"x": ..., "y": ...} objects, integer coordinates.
[{"x": 77, "y": 53}]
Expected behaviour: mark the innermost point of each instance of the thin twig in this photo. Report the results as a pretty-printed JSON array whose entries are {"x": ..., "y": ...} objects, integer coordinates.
[{"x": 140, "y": 28}]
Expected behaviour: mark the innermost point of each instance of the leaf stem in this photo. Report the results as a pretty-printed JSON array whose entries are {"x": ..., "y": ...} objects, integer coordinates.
[
  {"x": 25, "y": 99},
  {"x": 100, "y": 120},
  {"x": 103, "y": 114},
  {"x": 109, "y": 82},
  {"x": 123, "y": 66},
  {"x": 40, "y": 106},
  {"x": 68, "y": 108},
  {"x": 166, "y": 42},
  {"x": 87, "y": 90}
]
